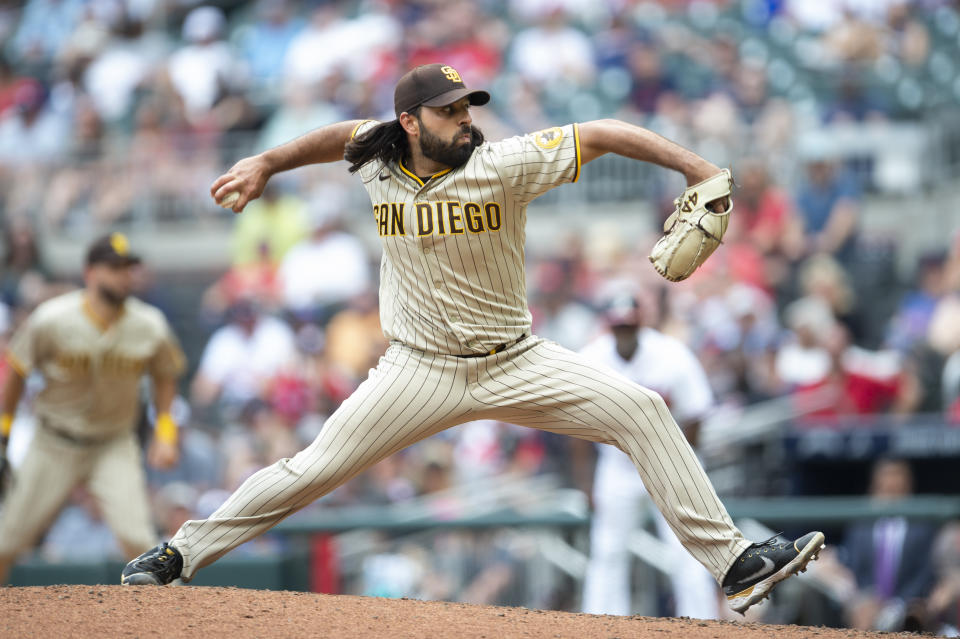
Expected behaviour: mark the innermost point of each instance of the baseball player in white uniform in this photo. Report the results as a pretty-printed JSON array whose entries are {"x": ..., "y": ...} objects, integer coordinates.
[
  {"x": 665, "y": 365},
  {"x": 92, "y": 347},
  {"x": 450, "y": 209}
]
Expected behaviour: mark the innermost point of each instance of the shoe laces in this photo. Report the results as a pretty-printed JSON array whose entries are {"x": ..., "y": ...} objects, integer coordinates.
[
  {"x": 773, "y": 542},
  {"x": 159, "y": 560}
]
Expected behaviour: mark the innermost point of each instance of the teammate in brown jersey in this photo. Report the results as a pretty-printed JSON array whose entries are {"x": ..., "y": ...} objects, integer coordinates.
[{"x": 92, "y": 347}]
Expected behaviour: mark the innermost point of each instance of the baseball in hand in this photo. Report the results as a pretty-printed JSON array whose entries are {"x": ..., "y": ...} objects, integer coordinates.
[{"x": 230, "y": 199}]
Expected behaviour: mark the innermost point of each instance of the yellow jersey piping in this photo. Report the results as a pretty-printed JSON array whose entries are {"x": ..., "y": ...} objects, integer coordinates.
[{"x": 576, "y": 144}]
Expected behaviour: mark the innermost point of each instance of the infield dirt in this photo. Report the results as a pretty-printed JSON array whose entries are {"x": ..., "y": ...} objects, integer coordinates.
[{"x": 142, "y": 611}]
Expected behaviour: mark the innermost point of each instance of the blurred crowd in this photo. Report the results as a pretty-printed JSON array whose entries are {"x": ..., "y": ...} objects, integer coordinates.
[{"x": 114, "y": 109}]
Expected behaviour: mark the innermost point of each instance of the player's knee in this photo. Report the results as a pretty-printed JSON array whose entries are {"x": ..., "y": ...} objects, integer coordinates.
[
  {"x": 659, "y": 404},
  {"x": 650, "y": 402}
]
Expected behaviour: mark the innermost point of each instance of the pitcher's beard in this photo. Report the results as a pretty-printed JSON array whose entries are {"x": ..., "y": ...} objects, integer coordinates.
[
  {"x": 449, "y": 153},
  {"x": 111, "y": 297}
]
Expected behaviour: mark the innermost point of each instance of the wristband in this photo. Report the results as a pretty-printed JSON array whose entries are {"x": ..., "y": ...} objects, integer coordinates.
[
  {"x": 165, "y": 429},
  {"x": 6, "y": 423}
]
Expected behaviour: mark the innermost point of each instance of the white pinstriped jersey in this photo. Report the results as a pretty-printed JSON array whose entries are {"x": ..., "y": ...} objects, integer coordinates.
[
  {"x": 452, "y": 276},
  {"x": 92, "y": 372}
]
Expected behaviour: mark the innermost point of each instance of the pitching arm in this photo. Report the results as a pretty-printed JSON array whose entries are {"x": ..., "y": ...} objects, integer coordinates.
[
  {"x": 615, "y": 136},
  {"x": 249, "y": 176}
]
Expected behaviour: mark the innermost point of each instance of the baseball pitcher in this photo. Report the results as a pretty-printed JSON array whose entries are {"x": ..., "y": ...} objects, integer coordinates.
[
  {"x": 450, "y": 209},
  {"x": 92, "y": 347}
]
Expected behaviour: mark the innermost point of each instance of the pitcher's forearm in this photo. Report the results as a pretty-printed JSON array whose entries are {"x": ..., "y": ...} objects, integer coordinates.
[
  {"x": 248, "y": 177},
  {"x": 325, "y": 144},
  {"x": 614, "y": 136}
]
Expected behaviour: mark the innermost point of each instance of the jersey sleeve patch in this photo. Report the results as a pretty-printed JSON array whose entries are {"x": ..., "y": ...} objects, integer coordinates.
[{"x": 548, "y": 138}]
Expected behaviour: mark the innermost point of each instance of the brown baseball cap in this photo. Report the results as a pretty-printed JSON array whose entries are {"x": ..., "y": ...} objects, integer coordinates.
[
  {"x": 433, "y": 85},
  {"x": 112, "y": 249}
]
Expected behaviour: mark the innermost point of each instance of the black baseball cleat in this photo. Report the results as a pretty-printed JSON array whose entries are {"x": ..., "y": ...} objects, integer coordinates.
[
  {"x": 762, "y": 566},
  {"x": 156, "y": 567}
]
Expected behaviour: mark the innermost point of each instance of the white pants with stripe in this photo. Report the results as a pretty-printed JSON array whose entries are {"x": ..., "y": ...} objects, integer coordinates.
[{"x": 412, "y": 395}]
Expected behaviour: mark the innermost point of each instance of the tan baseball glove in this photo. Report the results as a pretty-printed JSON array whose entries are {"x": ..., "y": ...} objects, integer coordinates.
[{"x": 693, "y": 231}]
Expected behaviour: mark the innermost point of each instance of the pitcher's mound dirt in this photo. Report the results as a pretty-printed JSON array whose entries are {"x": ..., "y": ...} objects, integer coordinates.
[{"x": 142, "y": 611}]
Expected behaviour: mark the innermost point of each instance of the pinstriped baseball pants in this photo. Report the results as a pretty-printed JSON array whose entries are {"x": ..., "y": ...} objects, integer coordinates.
[{"x": 412, "y": 395}]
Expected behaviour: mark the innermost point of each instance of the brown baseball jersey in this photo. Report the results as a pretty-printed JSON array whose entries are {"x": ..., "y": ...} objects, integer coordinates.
[
  {"x": 452, "y": 273},
  {"x": 91, "y": 371},
  {"x": 86, "y": 415}
]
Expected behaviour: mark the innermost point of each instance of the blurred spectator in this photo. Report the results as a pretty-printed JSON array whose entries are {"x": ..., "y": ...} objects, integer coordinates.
[
  {"x": 455, "y": 34},
  {"x": 805, "y": 361},
  {"x": 121, "y": 68},
  {"x": 267, "y": 39},
  {"x": 824, "y": 278},
  {"x": 21, "y": 258},
  {"x": 45, "y": 26},
  {"x": 330, "y": 42},
  {"x": 855, "y": 39},
  {"x": 558, "y": 313},
  {"x": 829, "y": 376},
  {"x": 321, "y": 273},
  {"x": 241, "y": 358},
  {"x": 77, "y": 195},
  {"x": 911, "y": 320},
  {"x": 355, "y": 339},
  {"x": 552, "y": 52},
  {"x": 943, "y": 606},
  {"x": 302, "y": 107},
  {"x": 649, "y": 81},
  {"x": 31, "y": 131},
  {"x": 161, "y": 168},
  {"x": 890, "y": 557},
  {"x": 855, "y": 102},
  {"x": 736, "y": 337},
  {"x": 750, "y": 91},
  {"x": 950, "y": 385},
  {"x": 764, "y": 223},
  {"x": 205, "y": 66},
  {"x": 308, "y": 389},
  {"x": 907, "y": 37},
  {"x": 828, "y": 201},
  {"x": 320, "y": 48},
  {"x": 277, "y": 221},
  {"x": 10, "y": 83},
  {"x": 259, "y": 280}
]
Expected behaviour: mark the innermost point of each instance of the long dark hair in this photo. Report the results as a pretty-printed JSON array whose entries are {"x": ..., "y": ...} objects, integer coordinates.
[{"x": 387, "y": 142}]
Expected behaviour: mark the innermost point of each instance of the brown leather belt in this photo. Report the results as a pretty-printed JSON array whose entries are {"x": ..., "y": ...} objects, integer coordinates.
[
  {"x": 497, "y": 349},
  {"x": 76, "y": 440}
]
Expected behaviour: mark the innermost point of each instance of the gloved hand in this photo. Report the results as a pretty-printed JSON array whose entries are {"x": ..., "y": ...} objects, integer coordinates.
[{"x": 695, "y": 229}]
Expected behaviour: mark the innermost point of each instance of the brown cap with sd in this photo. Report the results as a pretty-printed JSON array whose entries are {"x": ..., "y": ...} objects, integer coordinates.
[
  {"x": 433, "y": 85},
  {"x": 112, "y": 249}
]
